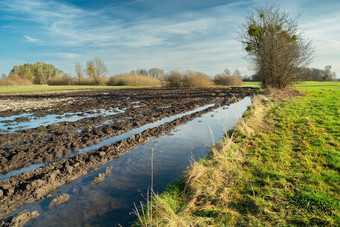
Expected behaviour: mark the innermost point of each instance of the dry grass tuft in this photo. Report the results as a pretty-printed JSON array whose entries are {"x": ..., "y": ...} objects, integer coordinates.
[
  {"x": 282, "y": 94},
  {"x": 248, "y": 125}
]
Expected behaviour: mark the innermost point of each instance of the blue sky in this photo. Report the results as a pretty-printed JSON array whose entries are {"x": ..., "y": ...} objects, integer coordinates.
[{"x": 168, "y": 34}]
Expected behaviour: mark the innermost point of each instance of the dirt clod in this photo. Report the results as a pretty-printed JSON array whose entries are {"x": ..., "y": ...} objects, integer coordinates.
[
  {"x": 59, "y": 199},
  {"x": 20, "y": 219}
]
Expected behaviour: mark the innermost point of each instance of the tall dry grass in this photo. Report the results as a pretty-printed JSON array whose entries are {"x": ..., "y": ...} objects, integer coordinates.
[
  {"x": 128, "y": 79},
  {"x": 14, "y": 80}
]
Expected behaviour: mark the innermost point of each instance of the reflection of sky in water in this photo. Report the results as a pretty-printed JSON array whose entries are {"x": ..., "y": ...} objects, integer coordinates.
[
  {"x": 35, "y": 122},
  {"x": 111, "y": 202}
]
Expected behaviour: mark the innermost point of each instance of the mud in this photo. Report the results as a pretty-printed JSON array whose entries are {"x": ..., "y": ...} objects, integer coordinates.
[
  {"x": 20, "y": 219},
  {"x": 51, "y": 143},
  {"x": 59, "y": 199}
]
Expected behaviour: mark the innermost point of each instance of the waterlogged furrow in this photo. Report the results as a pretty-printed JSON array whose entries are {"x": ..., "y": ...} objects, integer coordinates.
[
  {"x": 29, "y": 121},
  {"x": 141, "y": 129},
  {"x": 37, "y": 184},
  {"x": 111, "y": 140}
]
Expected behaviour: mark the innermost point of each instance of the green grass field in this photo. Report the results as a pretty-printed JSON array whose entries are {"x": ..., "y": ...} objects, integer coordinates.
[
  {"x": 40, "y": 88},
  {"x": 281, "y": 169}
]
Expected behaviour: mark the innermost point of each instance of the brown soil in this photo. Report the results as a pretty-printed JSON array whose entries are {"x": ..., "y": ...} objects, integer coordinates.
[{"x": 51, "y": 143}]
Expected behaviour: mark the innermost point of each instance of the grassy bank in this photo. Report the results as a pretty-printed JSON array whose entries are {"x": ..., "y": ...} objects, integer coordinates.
[
  {"x": 39, "y": 88},
  {"x": 279, "y": 167}
]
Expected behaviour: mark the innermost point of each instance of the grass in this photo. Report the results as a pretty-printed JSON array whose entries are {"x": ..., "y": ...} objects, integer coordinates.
[
  {"x": 251, "y": 83},
  {"x": 40, "y": 88},
  {"x": 280, "y": 167}
]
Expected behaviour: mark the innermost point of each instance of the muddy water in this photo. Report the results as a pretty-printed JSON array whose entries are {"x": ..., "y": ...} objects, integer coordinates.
[
  {"x": 111, "y": 202},
  {"x": 11, "y": 124}
]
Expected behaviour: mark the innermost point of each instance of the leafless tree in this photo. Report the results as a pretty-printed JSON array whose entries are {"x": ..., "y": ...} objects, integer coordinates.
[
  {"x": 327, "y": 74},
  {"x": 157, "y": 73},
  {"x": 237, "y": 73},
  {"x": 79, "y": 71},
  {"x": 227, "y": 72},
  {"x": 141, "y": 72},
  {"x": 275, "y": 46},
  {"x": 96, "y": 69}
]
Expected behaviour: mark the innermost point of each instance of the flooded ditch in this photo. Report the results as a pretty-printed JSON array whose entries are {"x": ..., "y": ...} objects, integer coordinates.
[{"x": 176, "y": 136}]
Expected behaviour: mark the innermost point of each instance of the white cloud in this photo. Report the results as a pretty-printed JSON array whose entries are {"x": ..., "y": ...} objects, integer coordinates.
[
  {"x": 30, "y": 39},
  {"x": 65, "y": 55}
]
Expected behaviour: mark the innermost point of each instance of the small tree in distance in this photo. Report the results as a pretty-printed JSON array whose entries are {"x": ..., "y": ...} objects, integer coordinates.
[
  {"x": 275, "y": 47},
  {"x": 96, "y": 69},
  {"x": 80, "y": 72}
]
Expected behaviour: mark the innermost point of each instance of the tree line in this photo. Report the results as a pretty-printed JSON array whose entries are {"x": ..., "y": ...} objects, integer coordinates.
[{"x": 305, "y": 74}]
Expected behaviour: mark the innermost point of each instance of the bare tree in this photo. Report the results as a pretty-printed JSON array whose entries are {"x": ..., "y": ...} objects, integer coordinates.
[
  {"x": 157, "y": 73},
  {"x": 96, "y": 69},
  {"x": 275, "y": 47},
  {"x": 237, "y": 73},
  {"x": 327, "y": 73},
  {"x": 227, "y": 72},
  {"x": 79, "y": 71},
  {"x": 141, "y": 72}
]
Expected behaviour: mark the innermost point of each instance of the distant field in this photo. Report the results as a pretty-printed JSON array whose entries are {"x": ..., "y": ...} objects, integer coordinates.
[
  {"x": 251, "y": 83},
  {"x": 305, "y": 85},
  {"x": 317, "y": 85},
  {"x": 38, "y": 88}
]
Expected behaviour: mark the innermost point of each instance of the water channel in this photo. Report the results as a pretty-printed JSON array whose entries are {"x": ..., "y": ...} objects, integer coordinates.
[{"x": 111, "y": 202}]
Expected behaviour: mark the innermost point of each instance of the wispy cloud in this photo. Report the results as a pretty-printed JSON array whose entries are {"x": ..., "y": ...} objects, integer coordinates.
[
  {"x": 64, "y": 55},
  {"x": 30, "y": 39}
]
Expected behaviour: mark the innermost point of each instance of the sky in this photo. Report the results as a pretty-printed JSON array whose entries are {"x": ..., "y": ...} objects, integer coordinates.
[{"x": 198, "y": 35}]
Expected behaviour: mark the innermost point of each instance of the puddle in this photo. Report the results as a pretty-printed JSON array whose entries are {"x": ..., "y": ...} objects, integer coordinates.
[
  {"x": 34, "y": 122},
  {"x": 111, "y": 202}
]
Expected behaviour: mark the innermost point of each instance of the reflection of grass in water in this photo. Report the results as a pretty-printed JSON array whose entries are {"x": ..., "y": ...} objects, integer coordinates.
[{"x": 281, "y": 168}]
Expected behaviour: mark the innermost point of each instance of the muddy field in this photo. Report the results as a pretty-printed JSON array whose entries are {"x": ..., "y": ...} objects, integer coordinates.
[{"x": 48, "y": 139}]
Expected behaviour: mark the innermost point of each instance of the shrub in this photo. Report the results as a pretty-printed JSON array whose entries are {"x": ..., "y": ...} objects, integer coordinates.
[
  {"x": 63, "y": 80},
  {"x": 228, "y": 80},
  {"x": 69, "y": 80},
  {"x": 174, "y": 79},
  {"x": 196, "y": 79},
  {"x": 188, "y": 79},
  {"x": 128, "y": 79},
  {"x": 88, "y": 81},
  {"x": 15, "y": 80}
]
